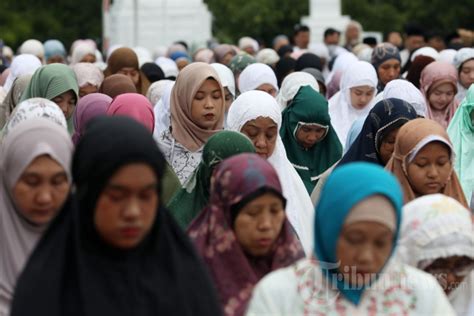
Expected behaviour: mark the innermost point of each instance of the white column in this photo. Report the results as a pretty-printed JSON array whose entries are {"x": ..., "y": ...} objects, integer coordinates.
[{"x": 324, "y": 14}]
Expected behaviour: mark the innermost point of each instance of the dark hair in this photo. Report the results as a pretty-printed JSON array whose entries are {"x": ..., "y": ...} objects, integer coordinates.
[
  {"x": 237, "y": 207},
  {"x": 300, "y": 28},
  {"x": 182, "y": 43},
  {"x": 330, "y": 31},
  {"x": 414, "y": 29},
  {"x": 370, "y": 40}
]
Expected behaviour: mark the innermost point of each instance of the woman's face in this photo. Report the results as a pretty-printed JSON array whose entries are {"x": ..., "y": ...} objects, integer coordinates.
[
  {"x": 361, "y": 96},
  {"x": 263, "y": 133},
  {"x": 389, "y": 70},
  {"x": 66, "y": 102},
  {"x": 89, "y": 58},
  {"x": 41, "y": 190},
  {"x": 268, "y": 88},
  {"x": 229, "y": 98},
  {"x": 308, "y": 135},
  {"x": 132, "y": 73},
  {"x": 441, "y": 96},
  {"x": 206, "y": 107},
  {"x": 430, "y": 170},
  {"x": 450, "y": 271},
  {"x": 466, "y": 74},
  {"x": 259, "y": 223},
  {"x": 87, "y": 89},
  {"x": 387, "y": 146},
  {"x": 56, "y": 59},
  {"x": 363, "y": 247},
  {"x": 126, "y": 208}
]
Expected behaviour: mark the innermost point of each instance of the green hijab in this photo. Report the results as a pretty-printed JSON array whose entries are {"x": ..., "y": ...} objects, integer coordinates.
[
  {"x": 308, "y": 106},
  {"x": 50, "y": 81},
  {"x": 191, "y": 199},
  {"x": 461, "y": 133}
]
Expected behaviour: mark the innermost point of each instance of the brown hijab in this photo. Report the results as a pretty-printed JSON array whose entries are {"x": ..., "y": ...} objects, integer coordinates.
[
  {"x": 185, "y": 131},
  {"x": 410, "y": 135},
  {"x": 125, "y": 57},
  {"x": 117, "y": 84}
]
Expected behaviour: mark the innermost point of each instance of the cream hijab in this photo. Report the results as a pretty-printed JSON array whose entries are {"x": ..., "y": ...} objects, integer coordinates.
[
  {"x": 299, "y": 209},
  {"x": 184, "y": 130},
  {"x": 28, "y": 140}
]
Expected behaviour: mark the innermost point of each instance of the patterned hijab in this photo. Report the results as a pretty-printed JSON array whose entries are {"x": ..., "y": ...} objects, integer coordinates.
[
  {"x": 384, "y": 117},
  {"x": 184, "y": 129},
  {"x": 434, "y": 75},
  {"x": 309, "y": 108},
  {"x": 235, "y": 273},
  {"x": 381, "y": 53},
  {"x": 409, "y": 138},
  {"x": 193, "y": 197}
]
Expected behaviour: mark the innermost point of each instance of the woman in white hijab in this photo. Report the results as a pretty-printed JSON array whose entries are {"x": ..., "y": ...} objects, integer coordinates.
[
  {"x": 34, "y": 155},
  {"x": 162, "y": 109},
  {"x": 258, "y": 77},
  {"x": 257, "y": 115},
  {"x": 355, "y": 98},
  {"x": 404, "y": 90},
  {"x": 437, "y": 236},
  {"x": 89, "y": 78},
  {"x": 24, "y": 64},
  {"x": 228, "y": 82},
  {"x": 291, "y": 84}
]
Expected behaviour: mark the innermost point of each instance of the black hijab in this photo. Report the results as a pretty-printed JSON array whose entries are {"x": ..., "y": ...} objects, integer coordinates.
[
  {"x": 153, "y": 72},
  {"x": 73, "y": 272},
  {"x": 308, "y": 60},
  {"x": 385, "y": 116}
]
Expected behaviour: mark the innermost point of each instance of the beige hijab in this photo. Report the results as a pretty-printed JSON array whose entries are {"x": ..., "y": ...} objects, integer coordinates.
[
  {"x": 409, "y": 138},
  {"x": 28, "y": 140},
  {"x": 184, "y": 130}
]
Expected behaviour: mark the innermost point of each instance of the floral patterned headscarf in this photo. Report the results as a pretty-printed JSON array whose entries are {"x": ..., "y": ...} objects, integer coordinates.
[{"x": 235, "y": 273}]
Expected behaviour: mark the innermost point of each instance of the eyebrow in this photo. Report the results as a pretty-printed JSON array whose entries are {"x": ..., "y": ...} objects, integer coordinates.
[{"x": 119, "y": 187}]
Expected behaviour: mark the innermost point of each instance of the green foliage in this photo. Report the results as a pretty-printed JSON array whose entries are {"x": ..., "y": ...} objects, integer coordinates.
[
  {"x": 391, "y": 15},
  {"x": 261, "y": 19},
  {"x": 65, "y": 20}
]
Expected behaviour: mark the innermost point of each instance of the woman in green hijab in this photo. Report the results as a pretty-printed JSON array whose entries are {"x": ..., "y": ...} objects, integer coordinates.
[
  {"x": 461, "y": 133},
  {"x": 311, "y": 143},
  {"x": 191, "y": 199},
  {"x": 58, "y": 83}
]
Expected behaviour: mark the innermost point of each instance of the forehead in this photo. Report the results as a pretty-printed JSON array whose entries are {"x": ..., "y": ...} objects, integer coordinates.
[
  {"x": 261, "y": 123},
  {"x": 391, "y": 62},
  {"x": 209, "y": 84}
]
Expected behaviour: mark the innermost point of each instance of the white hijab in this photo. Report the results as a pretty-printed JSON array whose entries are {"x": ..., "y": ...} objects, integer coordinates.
[
  {"x": 254, "y": 75},
  {"x": 24, "y": 64},
  {"x": 437, "y": 226},
  {"x": 162, "y": 110},
  {"x": 299, "y": 209},
  {"x": 226, "y": 76},
  {"x": 343, "y": 114},
  {"x": 291, "y": 84},
  {"x": 18, "y": 237},
  {"x": 405, "y": 90}
]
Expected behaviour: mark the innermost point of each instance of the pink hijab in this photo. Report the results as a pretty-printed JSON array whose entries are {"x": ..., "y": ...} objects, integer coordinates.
[
  {"x": 432, "y": 76},
  {"x": 135, "y": 106}
]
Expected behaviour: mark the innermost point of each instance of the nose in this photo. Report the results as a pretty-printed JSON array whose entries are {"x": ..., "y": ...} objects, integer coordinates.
[
  {"x": 366, "y": 257},
  {"x": 265, "y": 222},
  {"x": 209, "y": 103},
  {"x": 432, "y": 172},
  {"x": 132, "y": 210},
  {"x": 44, "y": 196},
  {"x": 392, "y": 73},
  {"x": 261, "y": 142}
]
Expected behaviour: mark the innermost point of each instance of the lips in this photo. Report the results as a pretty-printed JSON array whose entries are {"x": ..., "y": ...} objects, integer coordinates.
[
  {"x": 264, "y": 242},
  {"x": 209, "y": 116},
  {"x": 130, "y": 232},
  {"x": 263, "y": 155},
  {"x": 433, "y": 185}
]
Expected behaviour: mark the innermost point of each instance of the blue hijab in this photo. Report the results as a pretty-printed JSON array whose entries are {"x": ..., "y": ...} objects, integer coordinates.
[{"x": 346, "y": 187}]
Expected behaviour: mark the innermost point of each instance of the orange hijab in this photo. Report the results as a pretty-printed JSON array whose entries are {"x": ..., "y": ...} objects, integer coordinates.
[
  {"x": 410, "y": 135},
  {"x": 184, "y": 130}
]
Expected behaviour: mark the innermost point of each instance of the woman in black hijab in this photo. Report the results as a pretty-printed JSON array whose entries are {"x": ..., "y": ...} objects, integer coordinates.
[{"x": 116, "y": 251}]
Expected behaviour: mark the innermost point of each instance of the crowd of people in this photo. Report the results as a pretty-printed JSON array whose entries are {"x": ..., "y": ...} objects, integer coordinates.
[{"x": 332, "y": 178}]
